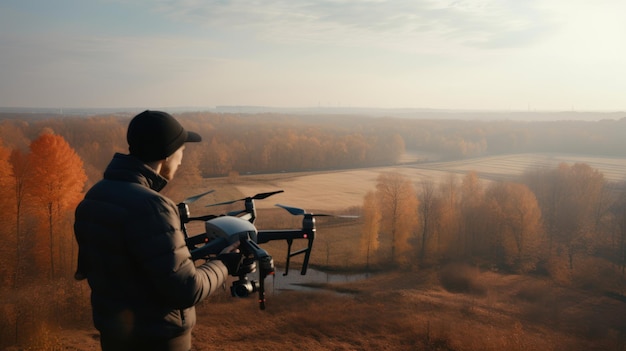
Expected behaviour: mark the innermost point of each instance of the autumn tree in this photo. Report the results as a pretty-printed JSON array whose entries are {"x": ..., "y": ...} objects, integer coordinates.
[
  {"x": 585, "y": 197},
  {"x": 187, "y": 175},
  {"x": 357, "y": 148},
  {"x": 395, "y": 148},
  {"x": 619, "y": 216},
  {"x": 60, "y": 179},
  {"x": 550, "y": 190},
  {"x": 398, "y": 204},
  {"x": 428, "y": 211},
  {"x": 8, "y": 239},
  {"x": 569, "y": 197},
  {"x": 515, "y": 227},
  {"x": 22, "y": 180},
  {"x": 12, "y": 133},
  {"x": 369, "y": 241},
  {"x": 216, "y": 158},
  {"x": 449, "y": 215},
  {"x": 471, "y": 221},
  {"x": 95, "y": 139}
]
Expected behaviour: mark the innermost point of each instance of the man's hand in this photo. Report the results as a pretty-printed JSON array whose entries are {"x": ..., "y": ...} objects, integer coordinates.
[
  {"x": 231, "y": 258},
  {"x": 231, "y": 248}
]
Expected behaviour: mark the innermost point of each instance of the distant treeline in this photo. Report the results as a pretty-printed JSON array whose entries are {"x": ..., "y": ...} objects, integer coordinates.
[{"x": 254, "y": 143}]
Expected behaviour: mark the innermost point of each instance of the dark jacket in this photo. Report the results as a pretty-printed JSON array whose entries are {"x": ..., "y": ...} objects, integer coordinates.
[{"x": 133, "y": 253}]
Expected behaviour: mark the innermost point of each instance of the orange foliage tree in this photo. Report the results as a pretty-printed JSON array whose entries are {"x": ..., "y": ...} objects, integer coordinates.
[
  {"x": 22, "y": 179},
  {"x": 60, "y": 179},
  {"x": 8, "y": 239}
]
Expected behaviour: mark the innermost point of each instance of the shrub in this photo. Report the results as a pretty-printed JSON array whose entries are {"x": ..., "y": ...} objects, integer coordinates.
[{"x": 460, "y": 278}]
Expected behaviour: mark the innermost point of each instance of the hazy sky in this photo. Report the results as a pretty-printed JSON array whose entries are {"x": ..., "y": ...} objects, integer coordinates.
[{"x": 465, "y": 54}]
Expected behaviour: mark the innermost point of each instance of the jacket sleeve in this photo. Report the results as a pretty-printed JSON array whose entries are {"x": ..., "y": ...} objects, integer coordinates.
[{"x": 157, "y": 241}]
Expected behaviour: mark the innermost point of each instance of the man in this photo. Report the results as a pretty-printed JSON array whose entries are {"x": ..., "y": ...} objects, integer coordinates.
[{"x": 132, "y": 251}]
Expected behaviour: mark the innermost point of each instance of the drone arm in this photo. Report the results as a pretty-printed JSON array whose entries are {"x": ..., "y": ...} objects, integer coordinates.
[
  {"x": 202, "y": 218},
  {"x": 264, "y": 236},
  {"x": 266, "y": 265},
  {"x": 195, "y": 240},
  {"x": 213, "y": 247}
]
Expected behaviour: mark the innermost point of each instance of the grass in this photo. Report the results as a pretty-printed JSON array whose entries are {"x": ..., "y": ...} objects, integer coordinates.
[
  {"x": 406, "y": 311},
  {"x": 402, "y": 310}
]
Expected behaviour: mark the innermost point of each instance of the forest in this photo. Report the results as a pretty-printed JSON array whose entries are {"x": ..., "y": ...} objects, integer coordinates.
[{"x": 566, "y": 223}]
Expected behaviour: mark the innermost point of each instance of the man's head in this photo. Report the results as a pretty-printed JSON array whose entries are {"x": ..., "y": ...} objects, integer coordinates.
[{"x": 155, "y": 136}]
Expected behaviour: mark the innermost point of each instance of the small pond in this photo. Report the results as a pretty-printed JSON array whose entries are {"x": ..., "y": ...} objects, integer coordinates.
[{"x": 294, "y": 280}]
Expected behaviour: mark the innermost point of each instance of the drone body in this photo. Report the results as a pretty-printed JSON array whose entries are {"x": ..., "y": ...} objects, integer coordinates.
[{"x": 224, "y": 230}]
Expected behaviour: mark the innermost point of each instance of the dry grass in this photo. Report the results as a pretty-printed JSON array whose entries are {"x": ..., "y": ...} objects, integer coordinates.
[
  {"x": 451, "y": 308},
  {"x": 410, "y": 311}
]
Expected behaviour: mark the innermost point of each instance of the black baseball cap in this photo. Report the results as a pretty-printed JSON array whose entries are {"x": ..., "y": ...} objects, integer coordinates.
[{"x": 155, "y": 135}]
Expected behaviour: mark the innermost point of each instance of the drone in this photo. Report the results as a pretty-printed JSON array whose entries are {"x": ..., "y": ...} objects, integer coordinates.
[{"x": 226, "y": 229}]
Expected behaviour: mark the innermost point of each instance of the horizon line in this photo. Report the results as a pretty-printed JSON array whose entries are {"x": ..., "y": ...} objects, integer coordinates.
[{"x": 259, "y": 108}]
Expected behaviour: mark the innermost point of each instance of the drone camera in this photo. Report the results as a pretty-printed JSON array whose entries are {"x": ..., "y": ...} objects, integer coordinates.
[{"x": 244, "y": 287}]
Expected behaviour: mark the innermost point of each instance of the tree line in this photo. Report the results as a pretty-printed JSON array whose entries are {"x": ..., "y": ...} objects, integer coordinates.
[
  {"x": 568, "y": 223},
  {"x": 267, "y": 143},
  {"x": 231, "y": 143}
]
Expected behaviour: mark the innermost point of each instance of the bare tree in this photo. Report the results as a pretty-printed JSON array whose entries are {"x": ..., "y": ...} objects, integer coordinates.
[
  {"x": 428, "y": 213},
  {"x": 619, "y": 214},
  {"x": 448, "y": 225},
  {"x": 471, "y": 225},
  {"x": 371, "y": 217},
  {"x": 569, "y": 197},
  {"x": 399, "y": 203}
]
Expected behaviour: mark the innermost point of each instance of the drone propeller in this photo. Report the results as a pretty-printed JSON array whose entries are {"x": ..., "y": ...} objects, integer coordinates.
[
  {"x": 196, "y": 197},
  {"x": 259, "y": 196},
  {"x": 298, "y": 211}
]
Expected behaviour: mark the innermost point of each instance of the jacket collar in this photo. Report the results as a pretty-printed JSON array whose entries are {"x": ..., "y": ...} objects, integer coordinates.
[{"x": 131, "y": 169}]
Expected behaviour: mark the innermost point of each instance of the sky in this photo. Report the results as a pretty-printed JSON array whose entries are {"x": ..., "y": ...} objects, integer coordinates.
[{"x": 511, "y": 55}]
